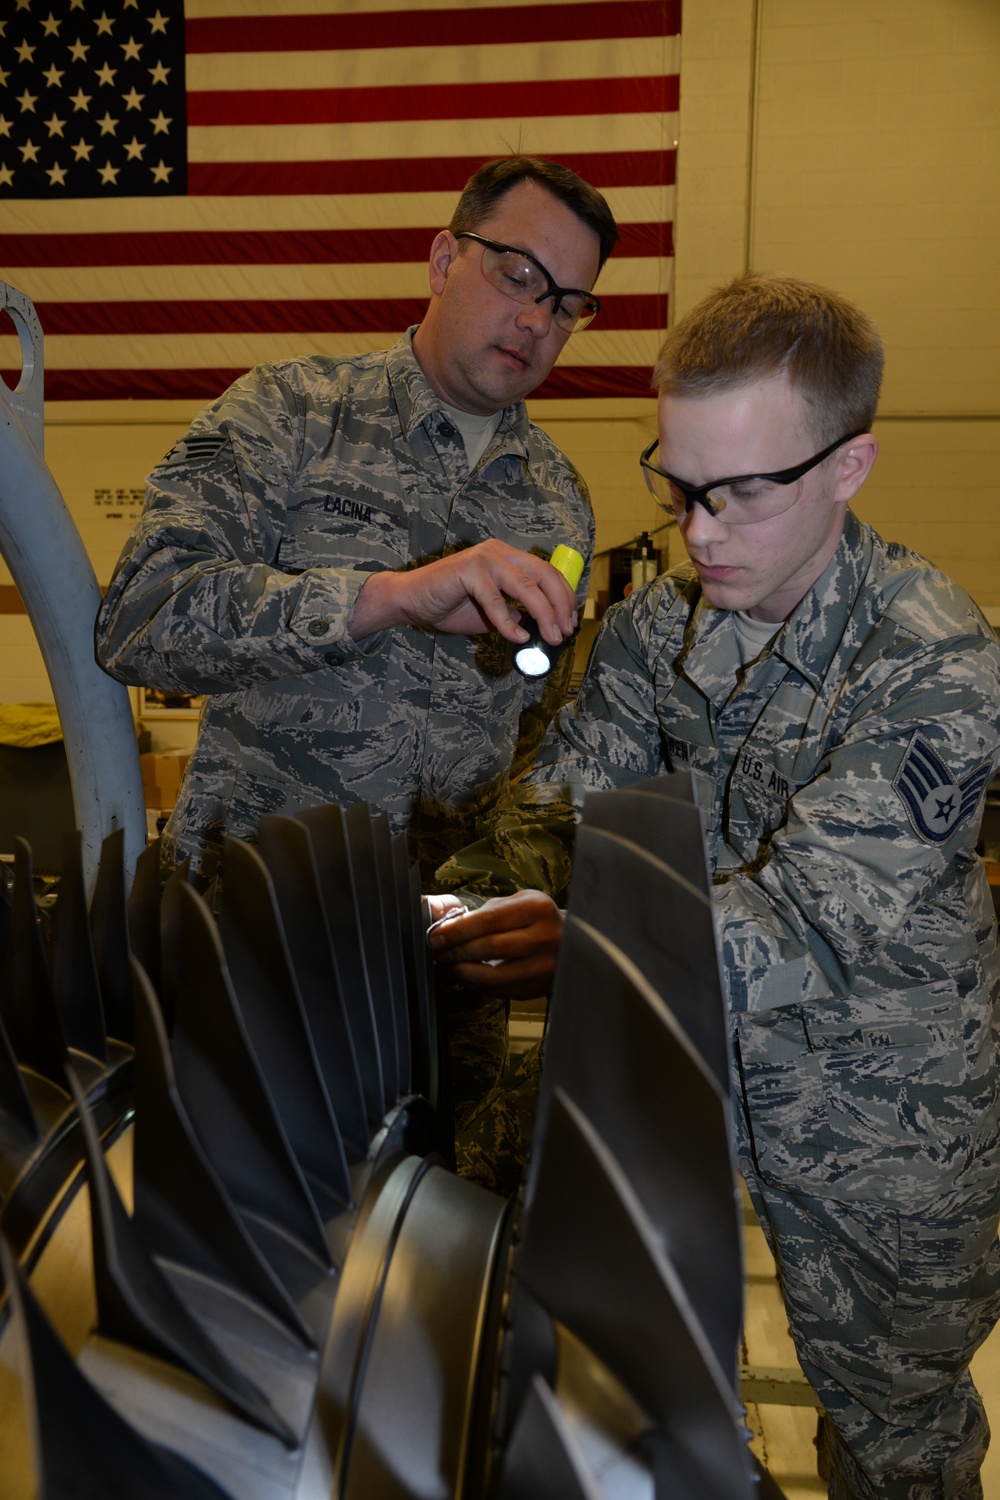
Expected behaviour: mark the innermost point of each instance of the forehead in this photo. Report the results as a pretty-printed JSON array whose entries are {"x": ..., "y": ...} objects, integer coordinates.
[
  {"x": 530, "y": 218},
  {"x": 756, "y": 427}
]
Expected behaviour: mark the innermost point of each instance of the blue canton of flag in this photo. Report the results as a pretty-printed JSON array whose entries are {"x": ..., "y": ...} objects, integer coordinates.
[
  {"x": 92, "y": 99},
  {"x": 935, "y": 803},
  {"x": 306, "y": 153}
]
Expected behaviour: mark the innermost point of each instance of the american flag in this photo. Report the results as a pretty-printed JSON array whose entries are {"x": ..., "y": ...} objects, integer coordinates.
[{"x": 191, "y": 187}]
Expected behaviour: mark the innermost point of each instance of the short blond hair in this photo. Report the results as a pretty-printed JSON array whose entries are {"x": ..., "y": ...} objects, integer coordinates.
[{"x": 761, "y": 325}]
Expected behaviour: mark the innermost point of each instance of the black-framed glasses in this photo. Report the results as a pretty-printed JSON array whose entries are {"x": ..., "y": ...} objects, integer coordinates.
[
  {"x": 520, "y": 276},
  {"x": 740, "y": 500}
]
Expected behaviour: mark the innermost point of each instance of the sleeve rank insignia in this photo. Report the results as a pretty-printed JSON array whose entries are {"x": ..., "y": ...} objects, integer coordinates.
[{"x": 935, "y": 803}]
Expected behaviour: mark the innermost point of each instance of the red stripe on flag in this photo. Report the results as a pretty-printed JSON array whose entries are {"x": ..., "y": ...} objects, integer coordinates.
[
  {"x": 262, "y": 248},
  {"x": 208, "y": 248},
  {"x": 446, "y": 101},
  {"x": 103, "y": 319},
  {"x": 388, "y": 315},
  {"x": 430, "y": 28},
  {"x": 645, "y": 239},
  {"x": 597, "y": 381},
  {"x": 400, "y": 174}
]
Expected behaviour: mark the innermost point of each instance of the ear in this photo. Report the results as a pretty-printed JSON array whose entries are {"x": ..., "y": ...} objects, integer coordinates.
[
  {"x": 854, "y": 464},
  {"x": 443, "y": 251}
]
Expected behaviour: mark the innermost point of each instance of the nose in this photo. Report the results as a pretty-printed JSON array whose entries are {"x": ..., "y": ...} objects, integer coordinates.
[
  {"x": 536, "y": 317},
  {"x": 699, "y": 527}
]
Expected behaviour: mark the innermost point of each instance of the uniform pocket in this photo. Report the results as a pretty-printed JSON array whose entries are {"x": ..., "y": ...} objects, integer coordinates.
[
  {"x": 783, "y": 1092},
  {"x": 839, "y": 1108}
]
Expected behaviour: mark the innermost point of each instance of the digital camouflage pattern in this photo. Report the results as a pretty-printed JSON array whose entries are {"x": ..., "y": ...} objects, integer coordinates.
[
  {"x": 491, "y": 1143},
  {"x": 492, "y": 1096},
  {"x": 259, "y": 530},
  {"x": 888, "y": 1305},
  {"x": 841, "y": 775}
]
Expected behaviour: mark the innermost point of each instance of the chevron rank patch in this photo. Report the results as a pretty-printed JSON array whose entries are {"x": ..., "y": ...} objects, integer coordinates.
[
  {"x": 935, "y": 803},
  {"x": 197, "y": 449}
]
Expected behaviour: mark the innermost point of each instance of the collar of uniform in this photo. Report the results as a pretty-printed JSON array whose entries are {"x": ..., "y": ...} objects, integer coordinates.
[
  {"x": 815, "y": 628},
  {"x": 416, "y": 401},
  {"x": 711, "y": 656}
]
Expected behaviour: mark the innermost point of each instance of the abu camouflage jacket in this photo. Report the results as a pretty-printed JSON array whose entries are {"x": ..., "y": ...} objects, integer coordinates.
[
  {"x": 259, "y": 530},
  {"x": 841, "y": 774}
]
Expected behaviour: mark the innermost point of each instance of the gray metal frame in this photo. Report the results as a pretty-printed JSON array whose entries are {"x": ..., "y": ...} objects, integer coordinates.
[{"x": 53, "y": 574}]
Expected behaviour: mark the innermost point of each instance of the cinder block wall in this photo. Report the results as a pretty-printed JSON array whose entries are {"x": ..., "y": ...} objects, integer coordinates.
[
  {"x": 876, "y": 170},
  {"x": 847, "y": 142},
  {"x": 857, "y": 145}
]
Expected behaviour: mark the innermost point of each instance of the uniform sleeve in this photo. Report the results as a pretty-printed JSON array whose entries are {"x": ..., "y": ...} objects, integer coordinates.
[
  {"x": 544, "y": 697},
  {"x": 609, "y": 737},
  {"x": 197, "y": 603},
  {"x": 874, "y": 871}
]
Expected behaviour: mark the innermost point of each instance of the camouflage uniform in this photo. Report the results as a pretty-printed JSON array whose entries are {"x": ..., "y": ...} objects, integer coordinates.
[
  {"x": 260, "y": 528},
  {"x": 841, "y": 775}
]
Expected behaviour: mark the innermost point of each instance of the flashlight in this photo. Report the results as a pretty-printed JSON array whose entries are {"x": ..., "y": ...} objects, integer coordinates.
[{"x": 535, "y": 657}]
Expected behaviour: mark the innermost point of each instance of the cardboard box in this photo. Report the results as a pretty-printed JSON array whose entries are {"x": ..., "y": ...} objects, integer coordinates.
[{"x": 161, "y": 776}]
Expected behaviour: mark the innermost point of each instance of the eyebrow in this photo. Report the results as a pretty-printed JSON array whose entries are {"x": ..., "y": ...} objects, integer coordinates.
[{"x": 520, "y": 250}]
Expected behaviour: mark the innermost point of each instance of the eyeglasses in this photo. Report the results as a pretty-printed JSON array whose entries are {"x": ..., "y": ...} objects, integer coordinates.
[
  {"x": 523, "y": 278},
  {"x": 739, "y": 501}
]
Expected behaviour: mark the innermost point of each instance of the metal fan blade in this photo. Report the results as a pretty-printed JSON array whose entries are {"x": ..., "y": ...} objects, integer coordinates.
[
  {"x": 168, "y": 941},
  {"x": 336, "y": 875},
  {"x": 83, "y": 1448},
  {"x": 228, "y": 1101},
  {"x": 615, "y": 1049},
  {"x": 18, "y": 1123},
  {"x": 263, "y": 978},
  {"x": 542, "y": 1460},
  {"x": 136, "y": 1304},
  {"x": 417, "y": 969},
  {"x": 663, "y": 921},
  {"x": 181, "y": 1204},
  {"x": 71, "y": 960},
  {"x": 286, "y": 849},
  {"x": 393, "y": 898},
  {"x": 590, "y": 1256},
  {"x": 109, "y": 931},
  {"x": 27, "y": 1005},
  {"x": 678, "y": 840},
  {"x": 368, "y": 888},
  {"x": 143, "y": 912}
]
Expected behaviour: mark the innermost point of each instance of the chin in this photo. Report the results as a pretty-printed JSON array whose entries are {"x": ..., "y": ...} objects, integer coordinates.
[
  {"x": 505, "y": 391},
  {"x": 724, "y": 596}
]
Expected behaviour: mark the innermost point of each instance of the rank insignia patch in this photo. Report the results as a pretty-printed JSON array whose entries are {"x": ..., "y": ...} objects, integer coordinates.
[
  {"x": 935, "y": 803},
  {"x": 197, "y": 450}
]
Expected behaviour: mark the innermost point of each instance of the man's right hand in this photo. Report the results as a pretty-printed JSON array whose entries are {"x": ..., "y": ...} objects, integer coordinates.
[
  {"x": 469, "y": 593},
  {"x": 508, "y": 947}
]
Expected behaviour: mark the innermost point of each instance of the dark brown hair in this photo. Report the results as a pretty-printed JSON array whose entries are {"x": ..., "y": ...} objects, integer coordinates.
[{"x": 493, "y": 179}]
